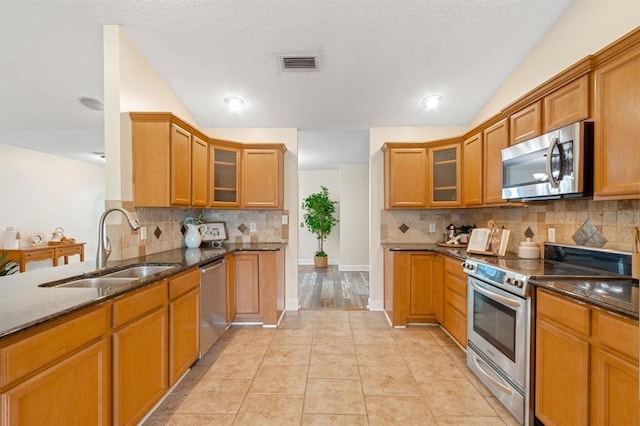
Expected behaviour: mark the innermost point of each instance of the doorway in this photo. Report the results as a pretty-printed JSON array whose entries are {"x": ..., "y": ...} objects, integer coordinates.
[{"x": 338, "y": 160}]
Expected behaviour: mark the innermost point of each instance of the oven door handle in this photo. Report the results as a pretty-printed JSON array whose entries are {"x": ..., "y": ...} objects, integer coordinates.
[
  {"x": 498, "y": 384},
  {"x": 499, "y": 298}
]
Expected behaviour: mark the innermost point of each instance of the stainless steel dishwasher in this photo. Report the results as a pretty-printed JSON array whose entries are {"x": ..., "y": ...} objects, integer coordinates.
[{"x": 213, "y": 303}]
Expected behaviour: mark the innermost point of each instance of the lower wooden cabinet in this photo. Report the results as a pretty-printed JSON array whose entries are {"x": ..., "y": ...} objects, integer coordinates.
[
  {"x": 586, "y": 359},
  {"x": 455, "y": 301},
  {"x": 184, "y": 334},
  {"x": 247, "y": 285}
]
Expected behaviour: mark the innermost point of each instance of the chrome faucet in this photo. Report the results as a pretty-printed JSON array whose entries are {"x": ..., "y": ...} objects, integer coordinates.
[{"x": 104, "y": 244}]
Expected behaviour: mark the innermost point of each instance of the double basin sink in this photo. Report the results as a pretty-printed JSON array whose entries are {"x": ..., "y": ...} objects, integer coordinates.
[{"x": 113, "y": 280}]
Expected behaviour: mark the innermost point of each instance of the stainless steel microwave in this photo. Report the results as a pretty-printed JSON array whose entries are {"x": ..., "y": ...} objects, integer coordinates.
[{"x": 555, "y": 165}]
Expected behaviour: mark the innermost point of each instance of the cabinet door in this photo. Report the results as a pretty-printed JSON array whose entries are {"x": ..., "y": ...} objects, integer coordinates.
[
  {"x": 151, "y": 163},
  {"x": 184, "y": 334},
  {"x": 75, "y": 391},
  {"x": 140, "y": 367},
  {"x": 472, "y": 171},
  {"x": 615, "y": 390},
  {"x": 180, "y": 166},
  {"x": 247, "y": 285},
  {"x": 405, "y": 178},
  {"x": 525, "y": 124},
  {"x": 421, "y": 285},
  {"x": 445, "y": 176},
  {"x": 224, "y": 176},
  {"x": 568, "y": 104},
  {"x": 263, "y": 178},
  {"x": 617, "y": 128},
  {"x": 231, "y": 287},
  {"x": 199, "y": 171},
  {"x": 562, "y": 376},
  {"x": 495, "y": 139}
]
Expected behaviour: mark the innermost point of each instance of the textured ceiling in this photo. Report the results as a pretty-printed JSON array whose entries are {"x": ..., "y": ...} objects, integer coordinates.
[{"x": 377, "y": 60}]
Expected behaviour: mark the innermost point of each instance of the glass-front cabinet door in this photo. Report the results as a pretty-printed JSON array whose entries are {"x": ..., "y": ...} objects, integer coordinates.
[
  {"x": 224, "y": 175},
  {"x": 445, "y": 175}
]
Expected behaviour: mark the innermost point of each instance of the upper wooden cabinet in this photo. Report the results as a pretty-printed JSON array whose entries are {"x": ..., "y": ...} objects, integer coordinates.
[
  {"x": 472, "y": 164},
  {"x": 405, "y": 175},
  {"x": 567, "y": 105},
  {"x": 263, "y": 176},
  {"x": 444, "y": 182},
  {"x": 169, "y": 162},
  {"x": 224, "y": 174},
  {"x": 495, "y": 139},
  {"x": 526, "y": 123},
  {"x": 617, "y": 128}
]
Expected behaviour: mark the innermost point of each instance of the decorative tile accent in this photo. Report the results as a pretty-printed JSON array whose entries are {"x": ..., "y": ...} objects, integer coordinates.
[
  {"x": 242, "y": 228},
  {"x": 588, "y": 235},
  {"x": 157, "y": 232},
  {"x": 403, "y": 228},
  {"x": 183, "y": 229},
  {"x": 529, "y": 233}
]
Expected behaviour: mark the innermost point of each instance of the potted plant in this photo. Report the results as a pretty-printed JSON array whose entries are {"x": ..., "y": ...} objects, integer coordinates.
[{"x": 319, "y": 220}]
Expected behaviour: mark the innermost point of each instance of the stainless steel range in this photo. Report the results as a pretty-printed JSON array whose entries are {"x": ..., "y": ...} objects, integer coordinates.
[{"x": 500, "y": 318}]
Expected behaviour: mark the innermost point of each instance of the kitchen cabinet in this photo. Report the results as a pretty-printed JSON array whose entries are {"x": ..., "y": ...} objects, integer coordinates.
[
  {"x": 409, "y": 287},
  {"x": 184, "y": 323},
  {"x": 199, "y": 172},
  {"x": 567, "y": 104},
  {"x": 617, "y": 128},
  {"x": 263, "y": 176},
  {"x": 51, "y": 364},
  {"x": 231, "y": 287},
  {"x": 444, "y": 184},
  {"x": 140, "y": 352},
  {"x": 169, "y": 162},
  {"x": 587, "y": 359},
  {"x": 495, "y": 139},
  {"x": 526, "y": 123},
  {"x": 405, "y": 175},
  {"x": 455, "y": 301},
  {"x": 438, "y": 288},
  {"x": 472, "y": 170},
  {"x": 260, "y": 286},
  {"x": 224, "y": 161}
]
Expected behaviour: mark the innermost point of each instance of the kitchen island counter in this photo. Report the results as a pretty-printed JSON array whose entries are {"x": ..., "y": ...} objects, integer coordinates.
[{"x": 24, "y": 304}]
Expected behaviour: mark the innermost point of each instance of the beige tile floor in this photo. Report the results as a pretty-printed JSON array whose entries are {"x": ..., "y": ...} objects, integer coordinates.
[{"x": 332, "y": 368}]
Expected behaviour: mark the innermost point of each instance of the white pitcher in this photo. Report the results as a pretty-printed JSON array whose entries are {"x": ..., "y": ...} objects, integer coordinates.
[{"x": 193, "y": 236}]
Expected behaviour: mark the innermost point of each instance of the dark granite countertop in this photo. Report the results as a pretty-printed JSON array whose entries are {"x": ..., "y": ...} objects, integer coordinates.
[
  {"x": 626, "y": 304},
  {"x": 23, "y": 304},
  {"x": 458, "y": 253}
]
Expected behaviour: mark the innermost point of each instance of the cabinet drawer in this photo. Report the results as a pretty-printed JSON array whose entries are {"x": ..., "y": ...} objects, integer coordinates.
[
  {"x": 182, "y": 283},
  {"x": 456, "y": 301},
  {"x": 454, "y": 267},
  {"x": 456, "y": 285},
  {"x": 456, "y": 325},
  {"x": 139, "y": 303},
  {"x": 39, "y": 254},
  {"x": 617, "y": 333},
  {"x": 28, "y": 355},
  {"x": 67, "y": 251},
  {"x": 561, "y": 310}
]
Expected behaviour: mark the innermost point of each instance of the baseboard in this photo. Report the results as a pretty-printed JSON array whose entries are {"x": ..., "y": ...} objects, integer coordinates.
[{"x": 353, "y": 268}]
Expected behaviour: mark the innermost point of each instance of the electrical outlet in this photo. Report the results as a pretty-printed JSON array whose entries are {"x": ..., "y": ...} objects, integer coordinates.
[
  {"x": 285, "y": 219},
  {"x": 143, "y": 233},
  {"x": 551, "y": 235},
  {"x": 432, "y": 227},
  {"x": 252, "y": 227}
]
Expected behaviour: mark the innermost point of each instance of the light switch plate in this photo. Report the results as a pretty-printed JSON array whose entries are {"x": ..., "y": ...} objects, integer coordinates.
[
  {"x": 143, "y": 233},
  {"x": 551, "y": 235},
  {"x": 285, "y": 219},
  {"x": 432, "y": 227},
  {"x": 252, "y": 227}
]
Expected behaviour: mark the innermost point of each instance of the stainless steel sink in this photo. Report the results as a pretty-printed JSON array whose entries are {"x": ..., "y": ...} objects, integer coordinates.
[
  {"x": 136, "y": 272},
  {"x": 99, "y": 282}
]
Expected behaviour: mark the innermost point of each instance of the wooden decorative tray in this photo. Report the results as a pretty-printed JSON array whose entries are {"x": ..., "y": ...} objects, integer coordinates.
[
  {"x": 57, "y": 243},
  {"x": 452, "y": 245}
]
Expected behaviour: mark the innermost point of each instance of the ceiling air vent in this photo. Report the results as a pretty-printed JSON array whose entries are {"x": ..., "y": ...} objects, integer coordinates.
[{"x": 299, "y": 63}]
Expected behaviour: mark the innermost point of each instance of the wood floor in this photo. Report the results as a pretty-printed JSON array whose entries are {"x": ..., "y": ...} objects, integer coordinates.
[{"x": 331, "y": 289}]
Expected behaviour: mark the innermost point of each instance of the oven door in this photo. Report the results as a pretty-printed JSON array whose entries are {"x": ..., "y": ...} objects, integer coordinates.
[{"x": 497, "y": 327}]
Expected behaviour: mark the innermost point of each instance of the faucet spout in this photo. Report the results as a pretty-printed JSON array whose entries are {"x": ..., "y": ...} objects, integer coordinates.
[{"x": 104, "y": 244}]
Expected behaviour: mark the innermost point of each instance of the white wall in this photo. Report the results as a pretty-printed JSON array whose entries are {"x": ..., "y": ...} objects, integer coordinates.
[
  {"x": 309, "y": 182},
  {"x": 354, "y": 217},
  {"x": 586, "y": 27},
  {"x": 40, "y": 192}
]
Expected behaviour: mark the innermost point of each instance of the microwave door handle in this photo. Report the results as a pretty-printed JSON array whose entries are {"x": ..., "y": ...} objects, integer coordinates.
[
  {"x": 496, "y": 297},
  {"x": 554, "y": 143}
]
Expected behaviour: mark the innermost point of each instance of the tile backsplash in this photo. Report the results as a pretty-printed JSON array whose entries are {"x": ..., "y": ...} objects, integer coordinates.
[
  {"x": 614, "y": 219},
  {"x": 164, "y": 228}
]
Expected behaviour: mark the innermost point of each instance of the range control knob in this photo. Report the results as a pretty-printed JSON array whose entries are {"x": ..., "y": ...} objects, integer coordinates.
[
  {"x": 469, "y": 266},
  {"x": 517, "y": 283},
  {"x": 509, "y": 281}
]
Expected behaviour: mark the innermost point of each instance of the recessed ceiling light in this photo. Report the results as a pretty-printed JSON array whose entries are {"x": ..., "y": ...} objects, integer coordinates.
[
  {"x": 91, "y": 103},
  {"x": 234, "y": 103},
  {"x": 431, "y": 101}
]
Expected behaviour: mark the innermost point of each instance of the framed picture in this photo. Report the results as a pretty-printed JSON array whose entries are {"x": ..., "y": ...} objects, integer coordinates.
[
  {"x": 216, "y": 231},
  {"x": 37, "y": 239}
]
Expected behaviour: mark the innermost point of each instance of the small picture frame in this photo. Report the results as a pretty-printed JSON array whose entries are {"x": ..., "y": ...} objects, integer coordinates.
[
  {"x": 216, "y": 231},
  {"x": 37, "y": 239}
]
